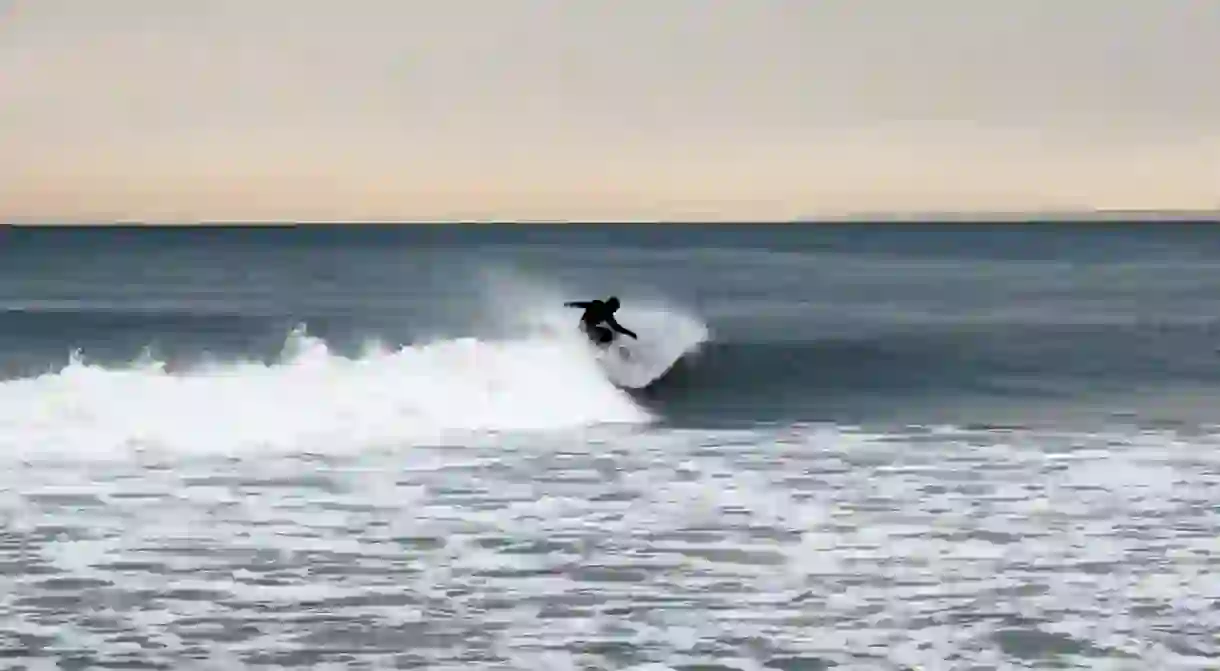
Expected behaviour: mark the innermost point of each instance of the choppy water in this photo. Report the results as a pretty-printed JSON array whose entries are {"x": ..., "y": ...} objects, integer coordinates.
[{"x": 940, "y": 448}]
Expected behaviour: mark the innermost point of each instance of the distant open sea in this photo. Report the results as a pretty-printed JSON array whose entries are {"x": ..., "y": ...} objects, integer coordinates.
[{"x": 901, "y": 446}]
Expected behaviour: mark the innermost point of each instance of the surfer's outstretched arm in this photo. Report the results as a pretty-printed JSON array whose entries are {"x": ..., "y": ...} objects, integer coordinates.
[
  {"x": 583, "y": 305},
  {"x": 620, "y": 328}
]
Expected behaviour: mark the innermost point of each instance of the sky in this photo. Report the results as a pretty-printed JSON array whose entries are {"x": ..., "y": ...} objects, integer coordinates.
[{"x": 319, "y": 110}]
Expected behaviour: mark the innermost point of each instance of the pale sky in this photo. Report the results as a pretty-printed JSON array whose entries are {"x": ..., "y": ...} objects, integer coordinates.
[{"x": 190, "y": 110}]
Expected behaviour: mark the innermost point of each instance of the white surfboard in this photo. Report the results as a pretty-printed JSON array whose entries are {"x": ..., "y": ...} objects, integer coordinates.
[{"x": 632, "y": 364}]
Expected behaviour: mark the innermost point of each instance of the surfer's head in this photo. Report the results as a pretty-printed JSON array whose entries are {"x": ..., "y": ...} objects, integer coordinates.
[{"x": 612, "y": 303}]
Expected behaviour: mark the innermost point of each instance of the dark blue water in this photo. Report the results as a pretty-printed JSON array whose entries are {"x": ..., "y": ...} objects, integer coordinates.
[{"x": 841, "y": 323}]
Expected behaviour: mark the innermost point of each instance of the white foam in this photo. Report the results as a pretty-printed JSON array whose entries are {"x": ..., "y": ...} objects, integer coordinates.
[
  {"x": 314, "y": 400},
  {"x": 808, "y": 542}
]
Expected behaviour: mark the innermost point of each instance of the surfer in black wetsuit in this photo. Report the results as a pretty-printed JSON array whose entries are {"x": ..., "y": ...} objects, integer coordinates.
[{"x": 599, "y": 312}]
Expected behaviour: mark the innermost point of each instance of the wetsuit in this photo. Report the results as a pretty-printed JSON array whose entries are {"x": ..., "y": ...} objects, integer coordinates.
[{"x": 596, "y": 313}]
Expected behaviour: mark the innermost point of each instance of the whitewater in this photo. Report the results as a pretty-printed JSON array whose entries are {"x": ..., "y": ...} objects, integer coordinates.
[
  {"x": 310, "y": 399},
  {"x": 367, "y": 448}
]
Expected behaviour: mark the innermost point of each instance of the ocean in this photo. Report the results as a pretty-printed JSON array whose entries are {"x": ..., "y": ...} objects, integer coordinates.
[{"x": 906, "y": 446}]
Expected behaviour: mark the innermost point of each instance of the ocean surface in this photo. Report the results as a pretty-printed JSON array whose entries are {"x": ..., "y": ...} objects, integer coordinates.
[{"x": 890, "y": 447}]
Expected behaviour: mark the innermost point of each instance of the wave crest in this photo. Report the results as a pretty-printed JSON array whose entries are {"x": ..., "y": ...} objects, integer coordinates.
[{"x": 312, "y": 399}]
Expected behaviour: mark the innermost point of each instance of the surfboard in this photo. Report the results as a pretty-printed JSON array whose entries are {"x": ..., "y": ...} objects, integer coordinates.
[{"x": 634, "y": 365}]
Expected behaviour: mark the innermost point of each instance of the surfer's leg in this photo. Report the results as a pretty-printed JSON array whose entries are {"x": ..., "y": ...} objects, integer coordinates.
[{"x": 601, "y": 335}]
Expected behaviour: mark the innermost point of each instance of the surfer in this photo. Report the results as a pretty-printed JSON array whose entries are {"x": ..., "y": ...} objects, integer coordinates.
[{"x": 598, "y": 312}]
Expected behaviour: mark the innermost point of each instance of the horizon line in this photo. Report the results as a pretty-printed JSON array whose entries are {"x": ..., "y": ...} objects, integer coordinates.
[{"x": 1043, "y": 216}]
